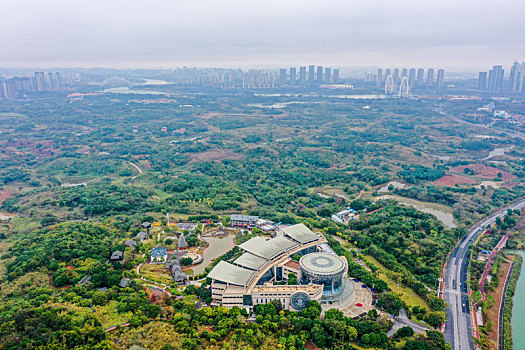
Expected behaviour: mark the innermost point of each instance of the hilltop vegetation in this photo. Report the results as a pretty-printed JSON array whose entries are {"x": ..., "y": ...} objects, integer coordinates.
[{"x": 81, "y": 175}]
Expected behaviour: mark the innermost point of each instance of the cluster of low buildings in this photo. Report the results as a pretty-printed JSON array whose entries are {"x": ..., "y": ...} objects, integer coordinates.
[
  {"x": 250, "y": 222},
  {"x": 160, "y": 255},
  {"x": 345, "y": 215},
  {"x": 490, "y": 110}
]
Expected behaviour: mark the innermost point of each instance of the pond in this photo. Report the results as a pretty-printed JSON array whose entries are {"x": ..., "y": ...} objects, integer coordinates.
[
  {"x": 218, "y": 246},
  {"x": 442, "y": 212}
]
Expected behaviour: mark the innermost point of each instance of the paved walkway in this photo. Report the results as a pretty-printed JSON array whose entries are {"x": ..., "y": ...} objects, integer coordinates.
[
  {"x": 153, "y": 283},
  {"x": 361, "y": 296},
  {"x": 403, "y": 321}
]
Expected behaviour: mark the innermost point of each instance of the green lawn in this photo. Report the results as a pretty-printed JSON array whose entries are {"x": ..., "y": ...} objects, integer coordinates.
[
  {"x": 407, "y": 294},
  {"x": 156, "y": 272}
]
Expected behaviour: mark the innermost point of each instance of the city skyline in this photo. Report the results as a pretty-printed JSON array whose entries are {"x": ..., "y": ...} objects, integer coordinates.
[{"x": 238, "y": 34}]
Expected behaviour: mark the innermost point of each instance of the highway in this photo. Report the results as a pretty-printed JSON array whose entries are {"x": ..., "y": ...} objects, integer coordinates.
[{"x": 458, "y": 330}]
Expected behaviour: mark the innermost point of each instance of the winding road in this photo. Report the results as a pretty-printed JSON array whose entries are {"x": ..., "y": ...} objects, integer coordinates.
[{"x": 458, "y": 330}]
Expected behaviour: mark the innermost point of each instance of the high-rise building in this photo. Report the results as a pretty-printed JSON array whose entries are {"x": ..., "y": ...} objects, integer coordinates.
[
  {"x": 282, "y": 76},
  {"x": 412, "y": 77},
  {"x": 514, "y": 77},
  {"x": 482, "y": 80},
  {"x": 430, "y": 77},
  {"x": 293, "y": 76},
  {"x": 302, "y": 75},
  {"x": 371, "y": 78},
  {"x": 388, "y": 72},
  {"x": 59, "y": 81},
  {"x": 311, "y": 74},
  {"x": 404, "y": 73},
  {"x": 379, "y": 79},
  {"x": 8, "y": 89},
  {"x": 50, "y": 81},
  {"x": 420, "y": 76},
  {"x": 496, "y": 78},
  {"x": 396, "y": 76},
  {"x": 521, "y": 83},
  {"x": 40, "y": 81},
  {"x": 335, "y": 76},
  {"x": 328, "y": 75},
  {"x": 491, "y": 81},
  {"x": 2, "y": 96},
  {"x": 320, "y": 74},
  {"x": 499, "y": 78},
  {"x": 441, "y": 78}
]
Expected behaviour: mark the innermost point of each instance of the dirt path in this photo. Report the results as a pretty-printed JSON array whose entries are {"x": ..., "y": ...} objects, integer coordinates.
[
  {"x": 360, "y": 194},
  {"x": 136, "y": 167}
]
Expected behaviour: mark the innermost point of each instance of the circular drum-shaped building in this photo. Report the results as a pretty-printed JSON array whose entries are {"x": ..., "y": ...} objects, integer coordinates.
[{"x": 325, "y": 269}]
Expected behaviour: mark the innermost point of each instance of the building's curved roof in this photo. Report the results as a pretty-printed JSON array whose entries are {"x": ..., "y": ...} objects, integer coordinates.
[
  {"x": 237, "y": 217},
  {"x": 250, "y": 261},
  {"x": 267, "y": 248},
  {"x": 300, "y": 233},
  {"x": 322, "y": 263},
  {"x": 228, "y": 273}
]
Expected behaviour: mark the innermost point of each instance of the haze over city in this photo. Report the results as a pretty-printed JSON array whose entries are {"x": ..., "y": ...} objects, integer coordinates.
[{"x": 456, "y": 35}]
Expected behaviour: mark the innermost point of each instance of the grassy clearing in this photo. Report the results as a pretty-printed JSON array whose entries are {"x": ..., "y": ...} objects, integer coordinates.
[
  {"x": 78, "y": 312},
  {"x": 144, "y": 180},
  {"x": 344, "y": 243},
  {"x": 330, "y": 190},
  {"x": 156, "y": 272},
  {"x": 109, "y": 316},
  {"x": 407, "y": 294}
]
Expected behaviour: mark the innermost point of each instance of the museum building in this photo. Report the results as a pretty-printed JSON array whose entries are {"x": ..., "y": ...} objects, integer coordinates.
[{"x": 260, "y": 274}]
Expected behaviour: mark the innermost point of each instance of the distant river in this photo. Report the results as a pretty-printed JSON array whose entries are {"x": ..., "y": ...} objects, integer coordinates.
[
  {"x": 126, "y": 90},
  {"x": 279, "y": 105},
  {"x": 518, "y": 309},
  {"x": 353, "y": 97},
  {"x": 155, "y": 82}
]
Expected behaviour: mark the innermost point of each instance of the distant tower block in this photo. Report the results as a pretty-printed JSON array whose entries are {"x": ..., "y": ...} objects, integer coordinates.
[
  {"x": 404, "y": 82},
  {"x": 389, "y": 84}
]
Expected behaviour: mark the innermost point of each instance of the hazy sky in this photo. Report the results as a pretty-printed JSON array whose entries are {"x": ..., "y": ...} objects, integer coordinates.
[{"x": 455, "y": 34}]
